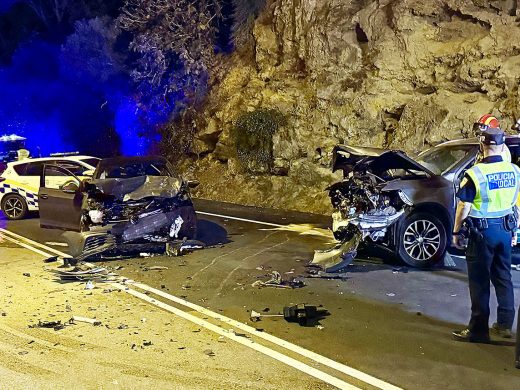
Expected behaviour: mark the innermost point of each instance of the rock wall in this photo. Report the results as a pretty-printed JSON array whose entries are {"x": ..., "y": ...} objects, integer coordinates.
[{"x": 401, "y": 74}]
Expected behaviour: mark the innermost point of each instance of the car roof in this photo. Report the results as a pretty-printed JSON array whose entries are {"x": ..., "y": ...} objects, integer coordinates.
[
  {"x": 510, "y": 139},
  {"x": 69, "y": 158}
]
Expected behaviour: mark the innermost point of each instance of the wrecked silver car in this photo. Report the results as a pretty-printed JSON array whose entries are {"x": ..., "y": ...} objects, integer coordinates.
[
  {"x": 405, "y": 204},
  {"x": 131, "y": 204}
]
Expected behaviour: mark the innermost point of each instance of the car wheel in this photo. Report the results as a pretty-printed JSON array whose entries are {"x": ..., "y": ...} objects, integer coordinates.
[
  {"x": 422, "y": 240},
  {"x": 14, "y": 207}
]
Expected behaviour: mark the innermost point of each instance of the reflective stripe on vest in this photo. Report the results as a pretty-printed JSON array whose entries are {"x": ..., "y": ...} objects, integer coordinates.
[{"x": 497, "y": 187}]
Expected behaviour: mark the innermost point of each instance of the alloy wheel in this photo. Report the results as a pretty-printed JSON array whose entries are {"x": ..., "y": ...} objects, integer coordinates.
[
  {"x": 422, "y": 240},
  {"x": 13, "y": 208}
]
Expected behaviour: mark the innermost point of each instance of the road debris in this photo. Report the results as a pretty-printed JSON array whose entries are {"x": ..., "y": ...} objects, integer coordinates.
[
  {"x": 339, "y": 256},
  {"x": 83, "y": 273},
  {"x": 183, "y": 247},
  {"x": 89, "y": 285},
  {"x": 209, "y": 352},
  {"x": 400, "y": 270},
  {"x": 91, "y": 321},
  {"x": 53, "y": 243},
  {"x": 155, "y": 268},
  {"x": 56, "y": 325},
  {"x": 276, "y": 280},
  {"x": 27, "y": 274},
  {"x": 390, "y": 294},
  {"x": 315, "y": 273},
  {"x": 305, "y": 315}
]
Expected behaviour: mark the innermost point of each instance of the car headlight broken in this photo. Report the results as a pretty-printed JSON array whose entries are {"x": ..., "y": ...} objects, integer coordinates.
[{"x": 405, "y": 198}]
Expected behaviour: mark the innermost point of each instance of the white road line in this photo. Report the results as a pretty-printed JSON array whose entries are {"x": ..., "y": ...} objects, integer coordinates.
[
  {"x": 35, "y": 243},
  {"x": 240, "y": 219},
  {"x": 244, "y": 341},
  {"x": 8, "y": 238},
  {"x": 352, "y": 372}
]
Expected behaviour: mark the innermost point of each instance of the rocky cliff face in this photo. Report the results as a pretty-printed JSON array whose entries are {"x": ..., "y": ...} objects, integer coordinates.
[{"x": 401, "y": 74}]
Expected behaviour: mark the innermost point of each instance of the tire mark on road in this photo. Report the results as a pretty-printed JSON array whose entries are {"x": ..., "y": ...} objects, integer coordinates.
[
  {"x": 212, "y": 263},
  {"x": 221, "y": 286}
]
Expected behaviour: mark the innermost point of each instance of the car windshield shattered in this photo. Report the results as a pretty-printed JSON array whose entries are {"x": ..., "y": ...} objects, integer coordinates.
[{"x": 125, "y": 168}]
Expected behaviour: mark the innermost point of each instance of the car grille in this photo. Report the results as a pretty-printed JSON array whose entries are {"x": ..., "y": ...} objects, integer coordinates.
[{"x": 98, "y": 243}]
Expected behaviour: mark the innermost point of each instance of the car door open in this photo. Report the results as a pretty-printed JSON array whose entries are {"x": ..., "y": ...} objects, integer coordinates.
[{"x": 60, "y": 198}]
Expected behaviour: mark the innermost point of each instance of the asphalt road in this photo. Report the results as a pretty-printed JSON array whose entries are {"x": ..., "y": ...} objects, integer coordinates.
[{"x": 388, "y": 321}]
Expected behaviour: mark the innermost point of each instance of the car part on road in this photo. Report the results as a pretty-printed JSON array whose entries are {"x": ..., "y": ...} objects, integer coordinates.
[
  {"x": 303, "y": 314},
  {"x": 340, "y": 256},
  {"x": 277, "y": 281},
  {"x": 84, "y": 274},
  {"x": 91, "y": 321},
  {"x": 56, "y": 325}
]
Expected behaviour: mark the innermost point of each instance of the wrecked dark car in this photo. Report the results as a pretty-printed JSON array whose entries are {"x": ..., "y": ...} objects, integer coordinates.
[
  {"x": 407, "y": 205},
  {"x": 131, "y": 204}
]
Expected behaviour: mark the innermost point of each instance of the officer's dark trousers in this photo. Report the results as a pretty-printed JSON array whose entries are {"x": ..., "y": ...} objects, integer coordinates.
[{"x": 489, "y": 258}]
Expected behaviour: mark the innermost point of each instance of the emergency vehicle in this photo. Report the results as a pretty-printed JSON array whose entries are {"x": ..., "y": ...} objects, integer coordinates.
[{"x": 20, "y": 181}]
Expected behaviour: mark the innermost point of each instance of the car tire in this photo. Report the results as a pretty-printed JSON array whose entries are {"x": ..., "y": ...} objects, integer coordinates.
[
  {"x": 422, "y": 240},
  {"x": 14, "y": 207}
]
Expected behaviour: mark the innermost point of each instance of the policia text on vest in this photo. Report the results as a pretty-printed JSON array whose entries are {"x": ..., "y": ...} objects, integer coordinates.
[{"x": 497, "y": 189}]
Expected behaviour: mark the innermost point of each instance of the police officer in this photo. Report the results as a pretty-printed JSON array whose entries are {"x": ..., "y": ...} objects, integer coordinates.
[{"x": 487, "y": 200}]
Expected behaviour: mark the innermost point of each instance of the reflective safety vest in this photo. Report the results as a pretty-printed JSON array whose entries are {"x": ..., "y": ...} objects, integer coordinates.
[{"x": 497, "y": 187}]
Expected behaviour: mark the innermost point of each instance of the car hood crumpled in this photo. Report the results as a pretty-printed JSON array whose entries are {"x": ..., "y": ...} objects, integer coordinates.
[
  {"x": 140, "y": 187},
  {"x": 352, "y": 158}
]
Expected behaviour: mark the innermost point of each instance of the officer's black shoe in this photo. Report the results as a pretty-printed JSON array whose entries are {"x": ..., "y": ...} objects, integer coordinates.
[
  {"x": 517, "y": 364},
  {"x": 467, "y": 336}
]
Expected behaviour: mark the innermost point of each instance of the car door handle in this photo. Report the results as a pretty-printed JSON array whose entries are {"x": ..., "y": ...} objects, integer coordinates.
[{"x": 44, "y": 196}]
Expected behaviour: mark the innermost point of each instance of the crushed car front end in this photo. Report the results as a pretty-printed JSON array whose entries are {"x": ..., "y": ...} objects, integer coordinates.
[
  {"x": 382, "y": 192},
  {"x": 138, "y": 212}
]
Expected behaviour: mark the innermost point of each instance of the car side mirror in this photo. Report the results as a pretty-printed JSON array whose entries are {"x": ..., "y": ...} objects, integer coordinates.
[
  {"x": 192, "y": 183},
  {"x": 88, "y": 172},
  {"x": 70, "y": 188}
]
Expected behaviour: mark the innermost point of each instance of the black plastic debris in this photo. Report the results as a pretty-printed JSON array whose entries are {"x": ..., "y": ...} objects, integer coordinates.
[
  {"x": 56, "y": 325},
  {"x": 303, "y": 314}
]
